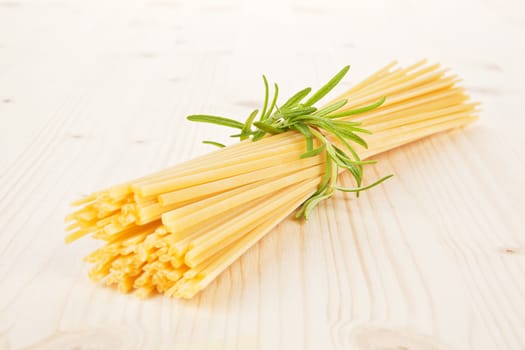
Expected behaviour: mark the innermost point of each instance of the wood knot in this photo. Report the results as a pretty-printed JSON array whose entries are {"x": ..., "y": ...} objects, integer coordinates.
[
  {"x": 485, "y": 90},
  {"x": 97, "y": 338},
  {"x": 218, "y": 8},
  {"x": 146, "y": 55},
  {"x": 309, "y": 10},
  {"x": 511, "y": 250},
  {"x": 10, "y": 4},
  {"x": 493, "y": 67},
  {"x": 371, "y": 338}
]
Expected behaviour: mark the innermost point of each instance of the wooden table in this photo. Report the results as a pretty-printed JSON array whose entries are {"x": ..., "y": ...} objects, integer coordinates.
[{"x": 95, "y": 92}]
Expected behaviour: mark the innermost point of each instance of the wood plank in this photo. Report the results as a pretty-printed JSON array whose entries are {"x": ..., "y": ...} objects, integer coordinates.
[{"x": 93, "y": 93}]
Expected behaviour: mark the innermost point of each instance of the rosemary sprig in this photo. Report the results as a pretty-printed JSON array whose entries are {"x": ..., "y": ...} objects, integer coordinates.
[{"x": 315, "y": 125}]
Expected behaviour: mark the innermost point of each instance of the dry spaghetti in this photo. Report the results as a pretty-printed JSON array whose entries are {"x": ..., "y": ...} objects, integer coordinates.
[{"x": 175, "y": 231}]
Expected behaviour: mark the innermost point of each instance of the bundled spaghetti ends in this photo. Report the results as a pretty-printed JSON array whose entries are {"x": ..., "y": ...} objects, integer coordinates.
[{"x": 175, "y": 231}]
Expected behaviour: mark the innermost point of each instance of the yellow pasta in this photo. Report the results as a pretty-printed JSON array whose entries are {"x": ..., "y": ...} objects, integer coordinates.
[{"x": 175, "y": 231}]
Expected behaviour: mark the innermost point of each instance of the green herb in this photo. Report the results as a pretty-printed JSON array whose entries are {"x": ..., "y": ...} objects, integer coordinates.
[
  {"x": 218, "y": 144},
  {"x": 315, "y": 125}
]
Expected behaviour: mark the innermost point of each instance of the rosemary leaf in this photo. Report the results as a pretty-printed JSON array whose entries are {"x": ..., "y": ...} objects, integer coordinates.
[
  {"x": 295, "y": 99},
  {"x": 314, "y": 152},
  {"x": 218, "y": 144},
  {"x": 303, "y": 129},
  {"x": 323, "y": 91},
  {"x": 266, "y": 93},
  {"x": 247, "y": 128},
  {"x": 329, "y": 109},
  {"x": 363, "y": 188},
  {"x": 215, "y": 120},
  {"x": 358, "y": 110},
  {"x": 268, "y": 128},
  {"x": 273, "y": 104},
  {"x": 296, "y": 112}
]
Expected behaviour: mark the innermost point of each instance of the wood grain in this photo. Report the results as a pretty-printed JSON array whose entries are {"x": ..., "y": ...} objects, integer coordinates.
[{"x": 95, "y": 92}]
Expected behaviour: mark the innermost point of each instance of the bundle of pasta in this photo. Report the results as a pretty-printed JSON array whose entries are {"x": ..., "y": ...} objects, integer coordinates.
[{"x": 175, "y": 231}]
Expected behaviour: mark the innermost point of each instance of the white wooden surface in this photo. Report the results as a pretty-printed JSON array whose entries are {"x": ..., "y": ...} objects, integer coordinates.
[{"x": 95, "y": 92}]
